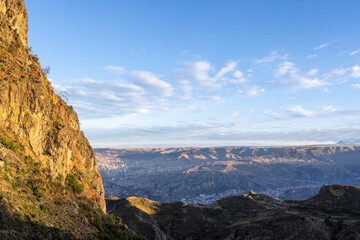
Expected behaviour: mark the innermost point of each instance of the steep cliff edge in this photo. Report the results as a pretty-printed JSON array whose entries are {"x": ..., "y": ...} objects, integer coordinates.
[
  {"x": 50, "y": 187},
  {"x": 33, "y": 115}
]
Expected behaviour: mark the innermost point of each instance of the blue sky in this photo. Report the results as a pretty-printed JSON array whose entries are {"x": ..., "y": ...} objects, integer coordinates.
[{"x": 162, "y": 73}]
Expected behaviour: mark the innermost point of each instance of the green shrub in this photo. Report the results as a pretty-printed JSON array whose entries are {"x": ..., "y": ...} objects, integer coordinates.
[
  {"x": 98, "y": 222},
  {"x": 16, "y": 185},
  {"x": 28, "y": 160},
  {"x": 32, "y": 184},
  {"x": 7, "y": 178},
  {"x": 8, "y": 144},
  {"x": 73, "y": 182}
]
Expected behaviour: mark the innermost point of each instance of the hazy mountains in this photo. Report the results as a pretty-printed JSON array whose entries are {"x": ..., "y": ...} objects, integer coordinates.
[{"x": 204, "y": 175}]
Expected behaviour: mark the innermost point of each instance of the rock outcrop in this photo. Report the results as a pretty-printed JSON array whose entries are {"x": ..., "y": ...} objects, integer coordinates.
[{"x": 32, "y": 114}]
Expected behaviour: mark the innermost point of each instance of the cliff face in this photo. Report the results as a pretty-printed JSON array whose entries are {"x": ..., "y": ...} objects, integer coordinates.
[
  {"x": 31, "y": 114},
  {"x": 13, "y": 22}
]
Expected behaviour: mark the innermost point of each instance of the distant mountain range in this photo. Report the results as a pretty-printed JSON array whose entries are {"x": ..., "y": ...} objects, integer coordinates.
[{"x": 204, "y": 175}]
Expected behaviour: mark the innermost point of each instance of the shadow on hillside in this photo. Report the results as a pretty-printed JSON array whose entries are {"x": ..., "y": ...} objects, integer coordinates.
[{"x": 19, "y": 228}]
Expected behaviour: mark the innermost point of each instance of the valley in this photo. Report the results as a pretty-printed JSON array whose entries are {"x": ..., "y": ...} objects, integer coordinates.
[{"x": 204, "y": 175}]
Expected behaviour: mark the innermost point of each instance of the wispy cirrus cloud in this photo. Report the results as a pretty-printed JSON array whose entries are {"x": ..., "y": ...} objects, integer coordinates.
[
  {"x": 145, "y": 79},
  {"x": 329, "y": 108},
  {"x": 289, "y": 75},
  {"x": 206, "y": 76},
  {"x": 355, "y": 52},
  {"x": 284, "y": 68},
  {"x": 115, "y": 69},
  {"x": 230, "y": 67},
  {"x": 300, "y": 111},
  {"x": 321, "y": 46},
  {"x": 213, "y": 134},
  {"x": 150, "y": 81},
  {"x": 251, "y": 90},
  {"x": 100, "y": 98},
  {"x": 337, "y": 72},
  {"x": 325, "y": 111},
  {"x": 311, "y": 56},
  {"x": 271, "y": 58},
  {"x": 272, "y": 114}
]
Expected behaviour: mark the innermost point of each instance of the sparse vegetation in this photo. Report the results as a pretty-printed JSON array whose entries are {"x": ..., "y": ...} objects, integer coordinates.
[
  {"x": 98, "y": 222},
  {"x": 73, "y": 182},
  {"x": 8, "y": 144},
  {"x": 46, "y": 70}
]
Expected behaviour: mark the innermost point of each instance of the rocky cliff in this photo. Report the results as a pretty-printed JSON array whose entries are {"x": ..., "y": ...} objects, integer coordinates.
[
  {"x": 13, "y": 23},
  {"x": 50, "y": 187},
  {"x": 45, "y": 127}
]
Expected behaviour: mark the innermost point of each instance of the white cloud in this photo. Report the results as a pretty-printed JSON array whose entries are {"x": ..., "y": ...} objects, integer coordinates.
[
  {"x": 115, "y": 69},
  {"x": 57, "y": 88},
  {"x": 272, "y": 114},
  {"x": 284, "y": 68},
  {"x": 149, "y": 81},
  {"x": 298, "y": 110},
  {"x": 355, "y": 52},
  {"x": 239, "y": 77},
  {"x": 337, "y": 72},
  {"x": 321, "y": 46},
  {"x": 230, "y": 67},
  {"x": 200, "y": 71},
  {"x": 357, "y": 85},
  {"x": 355, "y": 71},
  {"x": 238, "y": 74},
  {"x": 304, "y": 82},
  {"x": 218, "y": 99},
  {"x": 252, "y": 90},
  {"x": 187, "y": 89},
  {"x": 143, "y": 110},
  {"x": 99, "y": 98},
  {"x": 234, "y": 114},
  {"x": 326, "y": 90},
  {"x": 271, "y": 58},
  {"x": 313, "y": 72},
  {"x": 329, "y": 108},
  {"x": 312, "y": 56},
  {"x": 293, "y": 78}
]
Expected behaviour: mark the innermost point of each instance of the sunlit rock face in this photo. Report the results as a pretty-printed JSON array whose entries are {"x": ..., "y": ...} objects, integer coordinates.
[
  {"x": 33, "y": 114},
  {"x": 14, "y": 27}
]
